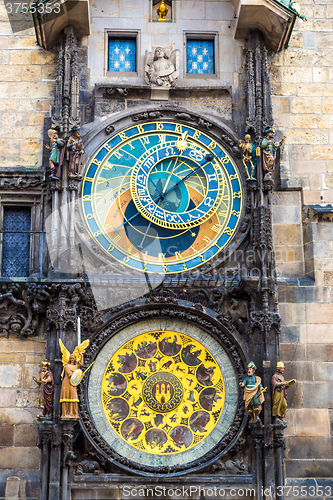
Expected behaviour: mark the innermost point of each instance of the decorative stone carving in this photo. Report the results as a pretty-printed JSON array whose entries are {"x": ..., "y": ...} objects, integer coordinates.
[
  {"x": 152, "y": 115},
  {"x": 109, "y": 129},
  {"x": 236, "y": 310},
  {"x": 264, "y": 321},
  {"x": 19, "y": 307},
  {"x": 63, "y": 309},
  {"x": 259, "y": 101},
  {"x": 66, "y": 111},
  {"x": 236, "y": 466},
  {"x": 88, "y": 467},
  {"x": 204, "y": 123},
  {"x": 257, "y": 433},
  {"x": 20, "y": 181},
  {"x": 113, "y": 90},
  {"x": 279, "y": 440},
  {"x": 161, "y": 70},
  {"x": 184, "y": 116}
]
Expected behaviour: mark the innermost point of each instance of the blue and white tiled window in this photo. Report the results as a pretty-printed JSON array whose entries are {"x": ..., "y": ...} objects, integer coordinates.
[
  {"x": 200, "y": 56},
  {"x": 16, "y": 241},
  {"x": 122, "y": 54}
]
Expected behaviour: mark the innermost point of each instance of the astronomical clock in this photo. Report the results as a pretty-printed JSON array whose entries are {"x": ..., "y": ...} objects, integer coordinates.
[
  {"x": 162, "y": 396},
  {"x": 162, "y": 197}
]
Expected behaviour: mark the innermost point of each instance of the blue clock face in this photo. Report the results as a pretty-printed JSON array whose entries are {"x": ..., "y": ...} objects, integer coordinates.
[{"x": 162, "y": 197}]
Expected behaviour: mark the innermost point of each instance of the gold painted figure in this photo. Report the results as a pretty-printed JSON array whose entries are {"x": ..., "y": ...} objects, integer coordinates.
[
  {"x": 71, "y": 363},
  {"x": 279, "y": 392},
  {"x": 162, "y": 11}
]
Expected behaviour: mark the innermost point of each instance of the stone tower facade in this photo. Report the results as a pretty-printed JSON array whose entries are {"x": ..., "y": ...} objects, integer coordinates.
[{"x": 264, "y": 296}]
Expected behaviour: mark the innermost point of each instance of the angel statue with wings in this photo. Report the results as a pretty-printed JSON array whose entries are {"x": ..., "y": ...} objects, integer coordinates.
[
  {"x": 160, "y": 69},
  {"x": 71, "y": 363}
]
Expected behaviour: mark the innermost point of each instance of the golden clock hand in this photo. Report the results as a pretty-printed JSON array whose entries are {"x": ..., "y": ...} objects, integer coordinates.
[
  {"x": 183, "y": 147},
  {"x": 169, "y": 177}
]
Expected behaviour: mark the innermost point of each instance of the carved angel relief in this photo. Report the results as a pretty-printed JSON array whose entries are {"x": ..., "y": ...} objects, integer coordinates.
[{"x": 161, "y": 70}]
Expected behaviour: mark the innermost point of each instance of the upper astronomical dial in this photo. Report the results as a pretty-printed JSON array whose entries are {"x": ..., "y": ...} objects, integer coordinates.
[
  {"x": 163, "y": 178},
  {"x": 162, "y": 197}
]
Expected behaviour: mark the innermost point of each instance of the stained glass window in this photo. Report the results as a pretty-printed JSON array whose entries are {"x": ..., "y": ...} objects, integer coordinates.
[
  {"x": 200, "y": 56},
  {"x": 122, "y": 54},
  {"x": 16, "y": 241}
]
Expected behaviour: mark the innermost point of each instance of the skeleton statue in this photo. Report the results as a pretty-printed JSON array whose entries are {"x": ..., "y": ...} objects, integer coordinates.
[{"x": 161, "y": 70}]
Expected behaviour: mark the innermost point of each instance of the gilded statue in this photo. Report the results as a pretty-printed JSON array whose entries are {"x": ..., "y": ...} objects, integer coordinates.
[
  {"x": 162, "y": 11},
  {"x": 279, "y": 392},
  {"x": 161, "y": 70},
  {"x": 250, "y": 156},
  {"x": 71, "y": 363},
  {"x": 253, "y": 393}
]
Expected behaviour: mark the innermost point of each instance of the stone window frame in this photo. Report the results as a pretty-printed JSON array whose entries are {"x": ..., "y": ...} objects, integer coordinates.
[
  {"x": 112, "y": 33},
  {"x": 34, "y": 202},
  {"x": 201, "y": 35}
]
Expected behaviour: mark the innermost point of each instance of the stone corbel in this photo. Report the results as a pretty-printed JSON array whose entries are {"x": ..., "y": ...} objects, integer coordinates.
[{"x": 273, "y": 18}]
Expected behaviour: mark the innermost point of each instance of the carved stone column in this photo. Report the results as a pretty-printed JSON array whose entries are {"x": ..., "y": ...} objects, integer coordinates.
[
  {"x": 66, "y": 111},
  {"x": 65, "y": 115},
  {"x": 44, "y": 443},
  {"x": 73, "y": 188},
  {"x": 54, "y": 227},
  {"x": 67, "y": 428},
  {"x": 55, "y": 465},
  {"x": 257, "y": 433},
  {"x": 259, "y": 103},
  {"x": 264, "y": 316},
  {"x": 279, "y": 443}
]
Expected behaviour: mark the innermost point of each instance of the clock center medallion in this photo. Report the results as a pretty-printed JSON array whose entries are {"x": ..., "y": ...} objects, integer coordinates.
[{"x": 162, "y": 392}]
